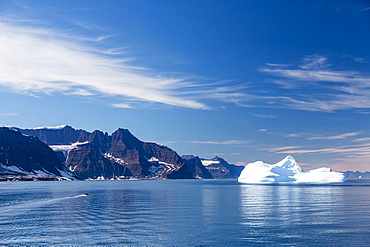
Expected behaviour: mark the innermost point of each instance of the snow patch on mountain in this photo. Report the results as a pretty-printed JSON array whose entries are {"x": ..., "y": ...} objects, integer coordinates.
[
  {"x": 51, "y": 128},
  {"x": 109, "y": 156},
  {"x": 153, "y": 159},
  {"x": 67, "y": 174},
  {"x": 64, "y": 148},
  {"x": 209, "y": 162},
  {"x": 10, "y": 127},
  {"x": 160, "y": 167},
  {"x": 4, "y": 169},
  {"x": 154, "y": 170},
  {"x": 11, "y": 169},
  {"x": 287, "y": 171}
]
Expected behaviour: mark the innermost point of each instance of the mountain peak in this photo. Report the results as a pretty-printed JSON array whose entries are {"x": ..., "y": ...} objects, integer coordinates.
[
  {"x": 118, "y": 155},
  {"x": 125, "y": 136},
  {"x": 188, "y": 157}
]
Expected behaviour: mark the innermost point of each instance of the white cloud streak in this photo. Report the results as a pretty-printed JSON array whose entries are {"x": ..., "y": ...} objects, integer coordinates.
[
  {"x": 314, "y": 62},
  {"x": 365, "y": 139},
  {"x": 279, "y": 149},
  {"x": 349, "y": 77},
  {"x": 336, "y": 137},
  {"x": 122, "y": 105},
  {"x": 9, "y": 114},
  {"x": 228, "y": 142},
  {"x": 35, "y": 60},
  {"x": 347, "y": 157},
  {"x": 349, "y": 149},
  {"x": 264, "y": 116},
  {"x": 329, "y": 89},
  {"x": 293, "y": 135}
]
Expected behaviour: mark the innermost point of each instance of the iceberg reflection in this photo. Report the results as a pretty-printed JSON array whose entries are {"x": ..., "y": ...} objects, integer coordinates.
[{"x": 289, "y": 212}]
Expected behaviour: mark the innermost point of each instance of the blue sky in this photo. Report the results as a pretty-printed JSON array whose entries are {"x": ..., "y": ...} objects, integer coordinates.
[{"x": 244, "y": 80}]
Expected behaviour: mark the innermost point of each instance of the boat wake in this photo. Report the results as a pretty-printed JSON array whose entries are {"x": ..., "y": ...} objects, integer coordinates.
[{"x": 30, "y": 205}]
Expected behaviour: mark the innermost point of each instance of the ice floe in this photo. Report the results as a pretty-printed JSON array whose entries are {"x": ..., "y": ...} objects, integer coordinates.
[{"x": 287, "y": 171}]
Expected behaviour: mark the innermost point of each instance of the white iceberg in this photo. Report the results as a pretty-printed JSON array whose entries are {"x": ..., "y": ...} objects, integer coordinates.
[{"x": 287, "y": 171}]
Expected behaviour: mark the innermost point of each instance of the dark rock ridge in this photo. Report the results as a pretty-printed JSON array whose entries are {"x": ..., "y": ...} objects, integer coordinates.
[
  {"x": 119, "y": 156},
  {"x": 58, "y": 135},
  {"x": 27, "y": 155},
  {"x": 357, "y": 174},
  {"x": 220, "y": 168},
  {"x": 122, "y": 155},
  {"x": 196, "y": 167}
]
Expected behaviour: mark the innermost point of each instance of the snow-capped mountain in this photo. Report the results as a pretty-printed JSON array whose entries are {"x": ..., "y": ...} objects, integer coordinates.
[
  {"x": 96, "y": 155},
  {"x": 196, "y": 167},
  {"x": 220, "y": 168},
  {"x": 26, "y": 155},
  {"x": 120, "y": 155}
]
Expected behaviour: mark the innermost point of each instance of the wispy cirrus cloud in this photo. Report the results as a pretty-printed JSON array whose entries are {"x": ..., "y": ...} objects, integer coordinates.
[
  {"x": 347, "y": 156},
  {"x": 293, "y": 135},
  {"x": 352, "y": 152},
  {"x": 361, "y": 149},
  {"x": 264, "y": 115},
  {"x": 315, "y": 86},
  {"x": 277, "y": 65},
  {"x": 279, "y": 149},
  {"x": 335, "y": 137},
  {"x": 36, "y": 60},
  {"x": 306, "y": 74},
  {"x": 225, "y": 142},
  {"x": 356, "y": 59},
  {"x": 9, "y": 114},
  {"x": 314, "y": 62},
  {"x": 347, "y": 163},
  {"x": 228, "y": 142},
  {"x": 364, "y": 139},
  {"x": 121, "y": 105}
]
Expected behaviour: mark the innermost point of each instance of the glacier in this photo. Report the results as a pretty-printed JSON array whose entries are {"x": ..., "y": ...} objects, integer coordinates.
[{"x": 287, "y": 171}]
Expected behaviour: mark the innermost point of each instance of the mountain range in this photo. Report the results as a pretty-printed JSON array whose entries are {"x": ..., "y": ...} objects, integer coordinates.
[
  {"x": 64, "y": 152},
  {"x": 218, "y": 167},
  {"x": 60, "y": 153}
]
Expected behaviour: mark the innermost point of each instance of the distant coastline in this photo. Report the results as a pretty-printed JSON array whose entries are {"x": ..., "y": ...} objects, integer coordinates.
[{"x": 64, "y": 153}]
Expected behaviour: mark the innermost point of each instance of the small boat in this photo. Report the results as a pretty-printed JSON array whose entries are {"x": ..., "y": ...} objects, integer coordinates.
[{"x": 86, "y": 194}]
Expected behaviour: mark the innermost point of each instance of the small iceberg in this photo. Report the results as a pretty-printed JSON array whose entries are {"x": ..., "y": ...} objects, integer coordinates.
[{"x": 287, "y": 171}]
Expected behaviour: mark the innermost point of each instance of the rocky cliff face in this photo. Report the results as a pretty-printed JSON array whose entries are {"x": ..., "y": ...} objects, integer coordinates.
[
  {"x": 144, "y": 159},
  {"x": 88, "y": 162},
  {"x": 58, "y": 135},
  {"x": 22, "y": 155},
  {"x": 120, "y": 155},
  {"x": 197, "y": 168}
]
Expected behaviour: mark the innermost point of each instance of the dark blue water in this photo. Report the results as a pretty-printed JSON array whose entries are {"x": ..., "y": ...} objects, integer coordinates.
[{"x": 184, "y": 213}]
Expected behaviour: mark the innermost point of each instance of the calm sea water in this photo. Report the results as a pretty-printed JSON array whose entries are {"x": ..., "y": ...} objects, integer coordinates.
[{"x": 184, "y": 213}]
